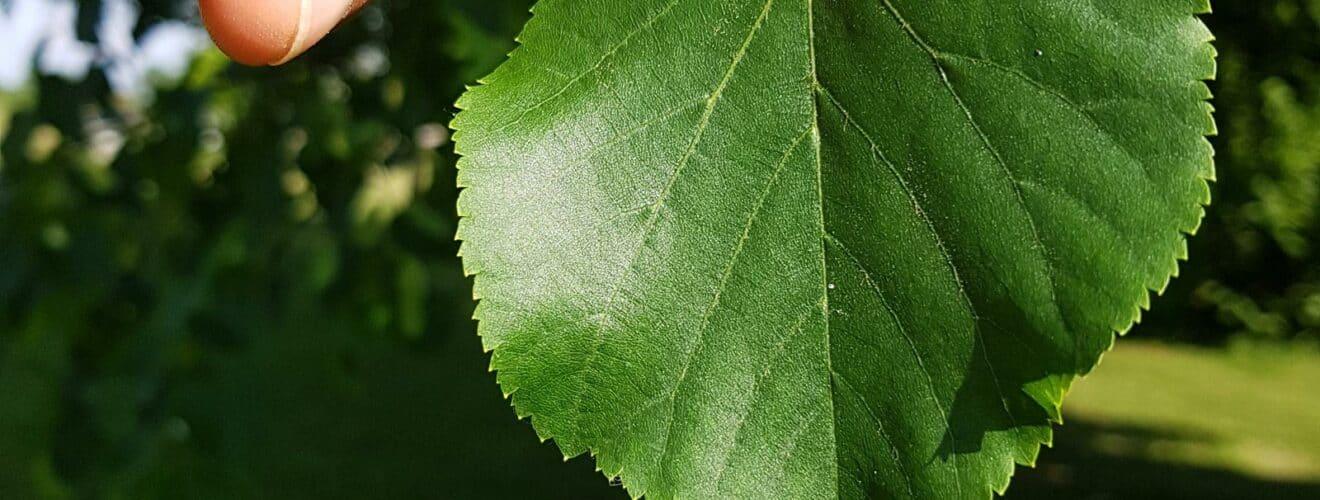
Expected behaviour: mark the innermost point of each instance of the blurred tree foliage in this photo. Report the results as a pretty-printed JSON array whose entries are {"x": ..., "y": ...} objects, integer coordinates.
[
  {"x": 248, "y": 287},
  {"x": 1255, "y": 265}
]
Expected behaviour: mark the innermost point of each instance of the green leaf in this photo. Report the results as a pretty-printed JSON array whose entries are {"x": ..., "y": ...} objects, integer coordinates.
[{"x": 825, "y": 248}]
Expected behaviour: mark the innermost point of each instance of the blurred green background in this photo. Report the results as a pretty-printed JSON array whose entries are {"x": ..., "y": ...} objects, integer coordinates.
[{"x": 244, "y": 285}]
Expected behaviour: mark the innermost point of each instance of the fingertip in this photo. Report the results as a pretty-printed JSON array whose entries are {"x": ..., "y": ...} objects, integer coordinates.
[
  {"x": 252, "y": 32},
  {"x": 271, "y": 32}
]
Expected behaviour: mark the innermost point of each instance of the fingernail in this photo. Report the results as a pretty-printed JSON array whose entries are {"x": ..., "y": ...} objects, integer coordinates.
[{"x": 316, "y": 19}]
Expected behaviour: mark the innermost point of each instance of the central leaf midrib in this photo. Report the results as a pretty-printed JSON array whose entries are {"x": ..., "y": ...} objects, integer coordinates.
[{"x": 824, "y": 265}]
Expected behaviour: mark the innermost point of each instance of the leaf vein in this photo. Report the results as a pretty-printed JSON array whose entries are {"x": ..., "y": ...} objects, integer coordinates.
[
  {"x": 651, "y": 221},
  {"x": 999, "y": 160},
  {"x": 883, "y": 434},
  {"x": 1056, "y": 94},
  {"x": 595, "y": 67},
  {"x": 724, "y": 281},
  {"x": 777, "y": 353}
]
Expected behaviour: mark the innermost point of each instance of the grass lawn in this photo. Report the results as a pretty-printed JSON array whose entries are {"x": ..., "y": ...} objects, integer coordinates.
[{"x": 1173, "y": 421}]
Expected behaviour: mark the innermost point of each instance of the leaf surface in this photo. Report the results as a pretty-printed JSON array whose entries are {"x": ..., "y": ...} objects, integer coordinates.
[{"x": 825, "y": 248}]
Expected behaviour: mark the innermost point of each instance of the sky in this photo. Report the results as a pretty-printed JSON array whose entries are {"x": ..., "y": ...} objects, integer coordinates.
[{"x": 40, "y": 36}]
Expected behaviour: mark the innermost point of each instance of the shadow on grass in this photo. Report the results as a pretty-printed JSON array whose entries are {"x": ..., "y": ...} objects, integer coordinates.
[{"x": 1097, "y": 461}]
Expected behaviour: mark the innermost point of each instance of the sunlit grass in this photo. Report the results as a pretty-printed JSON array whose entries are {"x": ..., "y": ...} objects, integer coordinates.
[{"x": 1251, "y": 409}]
